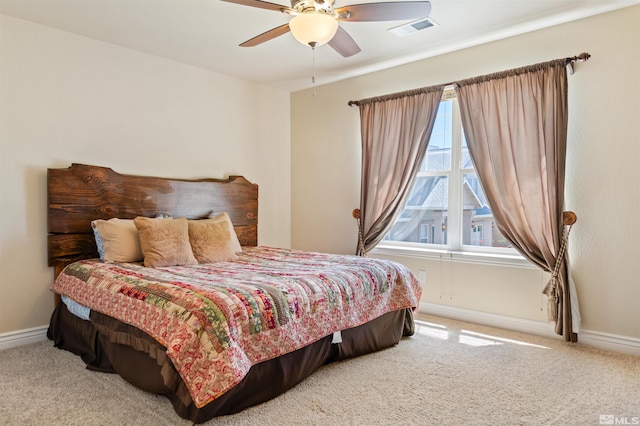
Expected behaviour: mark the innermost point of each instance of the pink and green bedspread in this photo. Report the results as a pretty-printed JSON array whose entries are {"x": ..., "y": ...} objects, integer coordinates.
[{"x": 217, "y": 320}]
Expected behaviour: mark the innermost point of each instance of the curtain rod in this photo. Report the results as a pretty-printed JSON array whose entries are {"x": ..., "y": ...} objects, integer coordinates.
[{"x": 569, "y": 60}]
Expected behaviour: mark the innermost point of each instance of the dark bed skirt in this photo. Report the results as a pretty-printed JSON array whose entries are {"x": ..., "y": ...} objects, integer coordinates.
[{"x": 108, "y": 345}]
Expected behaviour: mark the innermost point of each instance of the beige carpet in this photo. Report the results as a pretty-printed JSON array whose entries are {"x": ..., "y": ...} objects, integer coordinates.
[{"x": 449, "y": 373}]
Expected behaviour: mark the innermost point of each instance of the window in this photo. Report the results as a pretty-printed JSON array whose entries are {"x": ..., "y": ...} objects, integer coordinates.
[{"x": 447, "y": 208}]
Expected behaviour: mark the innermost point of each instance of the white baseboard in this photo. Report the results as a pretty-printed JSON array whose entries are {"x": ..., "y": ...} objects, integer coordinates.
[
  {"x": 23, "y": 337},
  {"x": 612, "y": 342},
  {"x": 493, "y": 320}
]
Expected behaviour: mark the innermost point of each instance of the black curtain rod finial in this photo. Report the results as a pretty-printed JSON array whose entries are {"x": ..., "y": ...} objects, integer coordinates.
[{"x": 584, "y": 56}]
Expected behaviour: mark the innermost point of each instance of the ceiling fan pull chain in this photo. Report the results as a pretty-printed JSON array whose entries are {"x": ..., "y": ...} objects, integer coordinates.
[{"x": 313, "y": 71}]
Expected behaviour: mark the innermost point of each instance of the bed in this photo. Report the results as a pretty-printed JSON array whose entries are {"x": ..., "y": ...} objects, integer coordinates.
[{"x": 237, "y": 327}]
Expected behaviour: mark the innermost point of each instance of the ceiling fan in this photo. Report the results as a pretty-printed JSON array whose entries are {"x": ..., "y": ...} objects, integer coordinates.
[{"x": 315, "y": 22}]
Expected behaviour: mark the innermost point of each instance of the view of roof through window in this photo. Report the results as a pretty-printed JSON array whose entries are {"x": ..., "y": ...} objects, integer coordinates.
[{"x": 447, "y": 196}]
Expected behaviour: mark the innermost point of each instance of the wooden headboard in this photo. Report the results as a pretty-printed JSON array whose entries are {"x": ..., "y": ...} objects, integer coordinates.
[{"x": 81, "y": 193}]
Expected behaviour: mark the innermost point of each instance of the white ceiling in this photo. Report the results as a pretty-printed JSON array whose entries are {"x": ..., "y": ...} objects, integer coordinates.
[{"x": 206, "y": 33}]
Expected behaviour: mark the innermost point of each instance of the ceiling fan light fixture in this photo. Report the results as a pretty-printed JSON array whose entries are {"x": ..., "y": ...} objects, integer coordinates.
[{"x": 313, "y": 28}]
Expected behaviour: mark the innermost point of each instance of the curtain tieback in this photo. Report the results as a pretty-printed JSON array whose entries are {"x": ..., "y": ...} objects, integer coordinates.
[
  {"x": 356, "y": 214},
  {"x": 552, "y": 301}
]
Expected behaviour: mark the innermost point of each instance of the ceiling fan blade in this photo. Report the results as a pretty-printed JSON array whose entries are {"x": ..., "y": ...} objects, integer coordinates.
[
  {"x": 261, "y": 4},
  {"x": 389, "y": 11},
  {"x": 344, "y": 44},
  {"x": 266, "y": 36}
]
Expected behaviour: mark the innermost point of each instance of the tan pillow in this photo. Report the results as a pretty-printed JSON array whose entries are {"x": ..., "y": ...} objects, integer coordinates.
[
  {"x": 165, "y": 242},
  {"x": 214, "y": 240},
  {"x": 120, "y": 241}
]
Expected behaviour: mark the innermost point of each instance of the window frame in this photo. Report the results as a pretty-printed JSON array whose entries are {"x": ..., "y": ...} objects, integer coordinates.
[{"x": 454, "y": 248}]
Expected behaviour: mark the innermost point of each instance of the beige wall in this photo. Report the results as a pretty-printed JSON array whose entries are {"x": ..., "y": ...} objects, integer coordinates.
[
  {"x": 602, "y": 186},
  {"x": 66, "y": 98}
]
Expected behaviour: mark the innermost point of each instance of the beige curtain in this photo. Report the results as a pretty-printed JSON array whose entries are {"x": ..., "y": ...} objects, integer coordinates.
[
  {"x": 395, "y": 131},
  {"x": 515, "y": 123}
]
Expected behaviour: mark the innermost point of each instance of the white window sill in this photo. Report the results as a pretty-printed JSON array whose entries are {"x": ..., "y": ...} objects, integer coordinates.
[{"x": 456, "y": 256}]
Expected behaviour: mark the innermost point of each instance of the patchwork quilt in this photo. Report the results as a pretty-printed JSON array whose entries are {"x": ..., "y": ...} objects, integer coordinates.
[{"x": 217, "y": 320}]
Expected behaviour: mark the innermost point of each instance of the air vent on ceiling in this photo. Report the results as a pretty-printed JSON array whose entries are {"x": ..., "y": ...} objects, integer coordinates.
[{"x": 413, "y": 27}]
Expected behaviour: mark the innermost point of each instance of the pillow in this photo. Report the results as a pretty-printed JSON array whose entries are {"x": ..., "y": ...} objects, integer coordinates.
[
  {"x": 165, "y": 242},
  {"x": 119, "y": 240},
  {"x": 214, "y": 240},
  {"x": 99, "y": 243}
]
